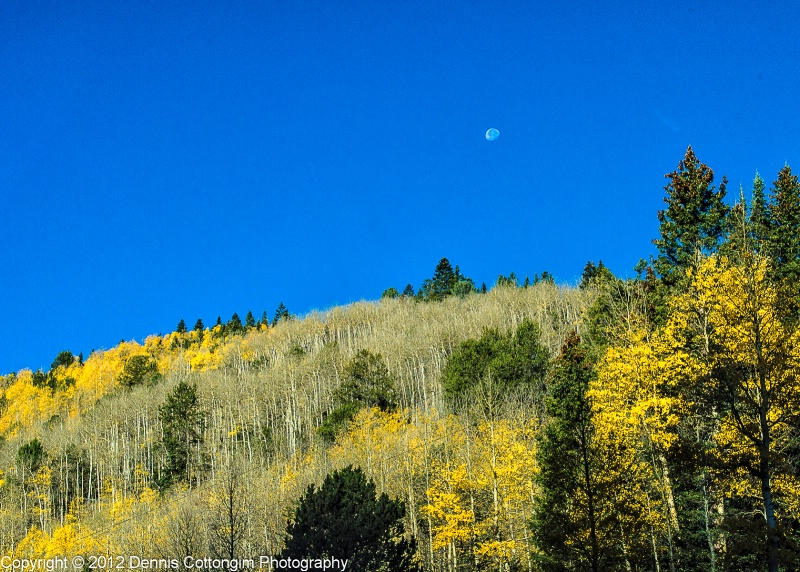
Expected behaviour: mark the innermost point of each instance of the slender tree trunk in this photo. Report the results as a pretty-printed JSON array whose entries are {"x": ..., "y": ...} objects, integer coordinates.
[
  {"x": 711, "y": 552},
  {"x": 769, "y": 508},
  {"x": 590, "y": 501}
]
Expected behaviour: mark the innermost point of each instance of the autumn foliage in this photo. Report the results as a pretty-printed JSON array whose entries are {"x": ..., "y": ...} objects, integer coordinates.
[{"x": 642, "y": 424}]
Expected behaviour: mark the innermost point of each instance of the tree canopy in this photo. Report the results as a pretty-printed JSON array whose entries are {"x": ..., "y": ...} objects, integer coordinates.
[{"x": 344, "y": 518}]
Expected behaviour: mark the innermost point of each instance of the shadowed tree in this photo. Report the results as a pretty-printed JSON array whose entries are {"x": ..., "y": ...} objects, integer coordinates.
[
  {"x": 184, "y": 535},
  {"x": 345, "y": 519}
]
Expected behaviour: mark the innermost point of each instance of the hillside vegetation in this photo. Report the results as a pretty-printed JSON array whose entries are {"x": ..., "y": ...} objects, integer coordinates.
[
  {"x": 263, "y": 393},
  {"x": 643, "y": 424}
]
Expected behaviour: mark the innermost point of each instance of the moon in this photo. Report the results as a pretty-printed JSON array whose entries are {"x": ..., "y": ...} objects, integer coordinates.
[{"x": 492, "y": 134}]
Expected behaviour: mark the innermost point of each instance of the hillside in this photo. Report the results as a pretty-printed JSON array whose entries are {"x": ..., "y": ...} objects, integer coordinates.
[
  {"x": 641, "y": 424},
  {"x": 263, "y": 393}
]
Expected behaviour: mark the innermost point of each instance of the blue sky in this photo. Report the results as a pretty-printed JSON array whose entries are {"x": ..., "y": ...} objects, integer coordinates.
[{"x": 168, "y": 160}]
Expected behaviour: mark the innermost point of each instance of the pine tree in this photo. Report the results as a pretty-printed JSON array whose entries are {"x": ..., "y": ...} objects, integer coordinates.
[
  {"x": 139, "y": 369},
  {"x": 183, "y": 422},
  {"x": 181, "y": 329},
  {"x": 41, "y": 380},
  {"x": 759, "y": 221},
  {"x": 595, "y": 275},
  {"x": 234, "y": 325},
  {"x": 198, "y": 325},
  {"x": 281, "y": 313},
  {"x": 345, "y": 519},
  {"x": 250, "y": 320},
  {"x": 512, "y": 362},
  {"x": 30, "y": 456},
  {"x": 694, "y": 221},
  {"x": 63, "y": 359},
  {"x": 785, "y": 232},
  {"x": 578, "y": 513},
  {"x": 439, "y": 286},
  {"x": 367, "y": 383},
  {"x": 408, "y": 291},
  {"x": 390, "y": 293},
  {"x": 510, "y": 280}
]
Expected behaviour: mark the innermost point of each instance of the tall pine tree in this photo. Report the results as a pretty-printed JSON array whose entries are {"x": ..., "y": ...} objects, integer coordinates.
[
  {"x": 759, "y": 221},
  {"x": 785, "y": 232},
  {"x": 580, "y": 510},
  {"x": 183, "y": 423},
  {"x": 694, "y": 221}
]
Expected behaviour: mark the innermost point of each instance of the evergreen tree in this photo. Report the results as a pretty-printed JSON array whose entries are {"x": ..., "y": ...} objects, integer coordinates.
[
  {"x": 463, "y": 288},
  {"x": 139, "y": 369},
  {"x": 390, "y": 293},
  {"x": 739, "y": 238},
  {"x": 694, "y": 221},
  {"x": 408, "y": 291},
  {"x": 198, "y": 325},
  {"x": 759, "y": 221},
  {"x": 545, "y": 277},
  {"x": 281, "y": 313},
  {"x": 345, "y": 519},
  {"x": 234, "y": 325},
  {"x": 63, "y": 359},
  {"x": 264, "y": 319},
  {"x": 513, "y": 362},
  {"x": 250, "y": 320},
  {"x": 183, "y": 422},
  {"x": 181, "y": 329},
  {"x": 595, "y": 275},
  {"x": 30, "y": 457},
  {"x": 41, "y": 380},
  {"x": 367, "y": 383},
  {"x": 510, "y": 280},
  {"x": 576, "y": 524},
  {"x": 440, "y": 285},
  {"x": 784, "y": 238}
]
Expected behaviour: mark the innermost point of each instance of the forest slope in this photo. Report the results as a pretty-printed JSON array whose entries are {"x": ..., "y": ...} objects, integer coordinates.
[{"x": 83, "y": 455}]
